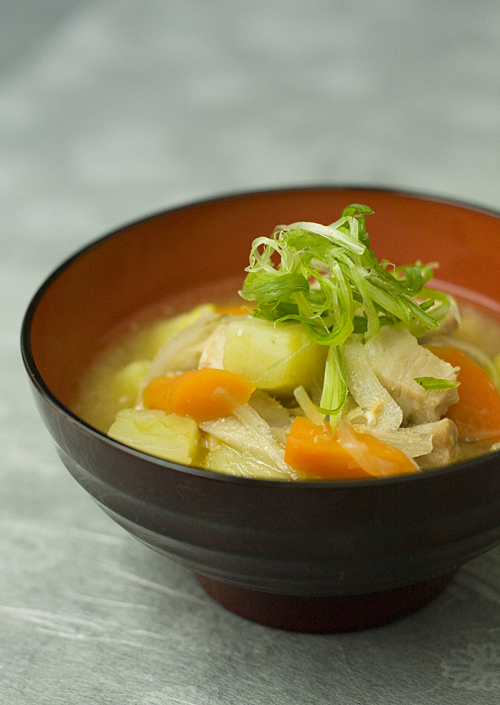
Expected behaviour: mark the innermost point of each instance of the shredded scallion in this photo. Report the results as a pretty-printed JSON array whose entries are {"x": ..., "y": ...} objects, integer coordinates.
[
  {"x": 327, "y": 278},
  {"x": 435, "y": 383}
]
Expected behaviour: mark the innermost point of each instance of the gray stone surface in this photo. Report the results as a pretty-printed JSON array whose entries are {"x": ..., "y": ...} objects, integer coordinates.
[{"x": 111, "y": 110}]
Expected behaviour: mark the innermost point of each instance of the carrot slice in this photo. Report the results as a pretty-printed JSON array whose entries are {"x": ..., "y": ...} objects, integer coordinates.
[
  {"x": 204, "y": 395},
  {"x": 235, "y": 310},
  {"x": 311, "y": 449},
  {"x": 477, "y": 412},
  {"x": 345, "y": 454}
]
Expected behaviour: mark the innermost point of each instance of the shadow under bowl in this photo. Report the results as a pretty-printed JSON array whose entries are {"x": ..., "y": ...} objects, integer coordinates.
[{"x": 315, "y": 556}]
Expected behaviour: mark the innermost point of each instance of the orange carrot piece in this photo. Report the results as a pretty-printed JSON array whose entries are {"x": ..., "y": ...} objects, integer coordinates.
[
  {"x": 377, "y": 458},
  {"x": 204, "y": 395},
  {"x": 477, "y": 413},
  {"x": 235, "y": 310},
  {"x": 158, "y": 393},
  {"x": 312, "y": 449}
]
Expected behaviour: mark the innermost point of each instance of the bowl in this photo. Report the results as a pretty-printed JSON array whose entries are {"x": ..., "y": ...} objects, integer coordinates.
[{"x": 315, "y": 556}]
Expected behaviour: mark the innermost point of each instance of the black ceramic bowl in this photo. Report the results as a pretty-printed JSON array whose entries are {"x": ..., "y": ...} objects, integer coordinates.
[{"x": 317, "y": 556}]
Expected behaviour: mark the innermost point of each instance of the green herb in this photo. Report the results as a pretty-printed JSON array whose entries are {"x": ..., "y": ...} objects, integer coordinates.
[
  {"x": 335, "y": 390},
  {"x": 435, "y": 383},
  {"x": 327, "y": 278}
]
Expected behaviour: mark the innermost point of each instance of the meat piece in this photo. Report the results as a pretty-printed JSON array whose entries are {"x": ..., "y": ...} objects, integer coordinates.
[
  {"x": 433, "y": 444},
  {"x": 397, "y": 359},
  {"x": 444, "y": 444}
]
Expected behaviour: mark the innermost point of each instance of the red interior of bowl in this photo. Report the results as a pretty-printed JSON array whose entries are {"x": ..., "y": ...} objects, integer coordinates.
[{"x": 160, "y": 257}]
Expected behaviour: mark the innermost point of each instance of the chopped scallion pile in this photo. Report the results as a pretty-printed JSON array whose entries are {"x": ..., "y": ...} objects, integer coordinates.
[{"x": 327, "y": 278}]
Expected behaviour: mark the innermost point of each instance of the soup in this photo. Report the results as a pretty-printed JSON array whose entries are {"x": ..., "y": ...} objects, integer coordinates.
[{"x": 335, "y": 366}]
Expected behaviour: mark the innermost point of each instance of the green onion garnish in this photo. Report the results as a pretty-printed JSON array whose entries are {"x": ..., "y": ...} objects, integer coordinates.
[
  {"x": 435, "y": 383},
  {"x": 327, "y": 278}
]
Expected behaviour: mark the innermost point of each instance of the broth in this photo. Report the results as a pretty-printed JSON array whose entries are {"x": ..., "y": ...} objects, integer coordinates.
[{"x": 112, "y": 381}]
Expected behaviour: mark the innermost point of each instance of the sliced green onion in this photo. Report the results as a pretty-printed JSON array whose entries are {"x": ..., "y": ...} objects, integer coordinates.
[
  {"x": 304, "y": 401},
  {"x": 435, "y": 383},
  {"x": 327, "y": 278},
  {"x": 335, "y": 389}
]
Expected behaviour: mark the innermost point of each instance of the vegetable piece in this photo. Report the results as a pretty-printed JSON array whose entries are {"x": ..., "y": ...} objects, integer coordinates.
[
  {"x": 126, "y": 382},
  {"x": 429, "y": 383},
  {"x": 344, "y": 454},
  {"x": 234, "y": 310},
  {"x": 204, "y": 395},
  {"x": 153, "y": 337},
  {"x": 270, "y": 410},
  {"x": 477, "y": 412},
  {"x": 212, "y": 351},
  {"x": 223, "y": 458},
  {"x": 312, "y": 449},
  {"x": 252, "y": 437},
  {"x": 334, "y": 392},
  {"x": 375, "y": 457},
  {"x": 327, "y": 278},
  {"x": 276, "y": 357},
  {"x": 310, "y": 410},
  {"x": 181, "y": 350},
  {"x": 372, "y": 397},
  {"x": 170, "y": 437},
  {"x": 472, "y": 350}
]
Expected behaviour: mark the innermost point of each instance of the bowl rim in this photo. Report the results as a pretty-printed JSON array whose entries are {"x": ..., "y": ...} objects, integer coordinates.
[{"x": 39, "y": 384}]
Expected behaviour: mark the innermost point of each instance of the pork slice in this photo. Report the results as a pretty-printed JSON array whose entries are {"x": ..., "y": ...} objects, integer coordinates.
[
  {"x": 397, "y": 359},
  {"x": 445, "y": 447}
]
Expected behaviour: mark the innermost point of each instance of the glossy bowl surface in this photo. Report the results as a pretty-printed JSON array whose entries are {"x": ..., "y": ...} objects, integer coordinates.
[{"x": 318, "y": 556}]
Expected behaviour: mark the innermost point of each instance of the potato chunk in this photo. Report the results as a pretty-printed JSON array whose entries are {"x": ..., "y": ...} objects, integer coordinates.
[
  {"x": 276, "y": 357},
  {"x": 169, "y": 436}
]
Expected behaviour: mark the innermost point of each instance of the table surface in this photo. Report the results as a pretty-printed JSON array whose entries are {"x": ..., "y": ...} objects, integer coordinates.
[{"x": 111, "y": 110}]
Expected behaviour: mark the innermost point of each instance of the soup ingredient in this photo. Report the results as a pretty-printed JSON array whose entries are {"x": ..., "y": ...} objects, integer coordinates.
[
  {"x": 164, "y": 329},
  {"x": 477, "y": 412},
  {"x": 327, "y": 278},
  {"x": 167, "y": 436},
  {"x": 432, "y": 444},
  {"x": 345, "y": 454},
  {"x": 125, "y": 382},
  {"x": 204, "y": 395},
  {"x": 276, "y": 357},
  {"x": 181, "y": 349},
  {"x": 369, "y": 394},
  {"x": 326, "y": 378},
  {"x": 251, "y": 436},
  {"x": 397, "y": 359},
  {"x": 234, "y": 310},
  {"x": 224, "y": 458}
]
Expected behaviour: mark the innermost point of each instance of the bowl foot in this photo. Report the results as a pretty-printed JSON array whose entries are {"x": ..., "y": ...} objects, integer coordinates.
[{"x": 324, "y": 614}]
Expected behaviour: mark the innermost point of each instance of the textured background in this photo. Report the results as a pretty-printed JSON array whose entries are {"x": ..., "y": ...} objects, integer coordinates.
[{"x": 112, "y": 109}]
